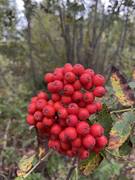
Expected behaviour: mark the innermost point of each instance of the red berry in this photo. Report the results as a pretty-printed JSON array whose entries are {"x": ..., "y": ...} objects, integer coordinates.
[
  {"x": 88, "y": 97},
  {"x": 62, "y": 113},
  {"x": 42, "y": 95},
  {"x": 57, "y": 105},
  {"x": 65, "y": 82},
  {"x": 77, "y": 96},
  {"x": 55, "y": 86},
  {"x": 83, "y": 114},
  {"x": 84, "y": 154},
  {"x": 54, "y": 144},
  {"x": 31, "y": 108},
  {"x": 62, "y": 136},
  {"x": 85, "y": 78},
  {"x": 68, "y": 67},
  {"x": 55, "y": 97},
  {"x": 34, "y": 99},
  {"x": 55, "y": 129},
  {"x": 51, "y": 87},
  {"x": 49, "y": 77},
  {"x": 78, "y": 69},
  {"x": 70, "y": 77},
  {"x": 49, "y": 111},
  {"x": 76, "y": 143},
  {"x": 50, "y": 102},
  {"x": 92, "y": 108},
  {"x": 65, "y": 146},
  {"x": 66, "y": 99},
  {"x": 96, "y": 130},
  {"x": 70, "y": 133},
  {"x": 101, "y": 141},
  {"x": 40, "y": 104},
  {"x": 38, "y": 116},
  {"x": 88, "y": 141},
  {"x": 47, "y": 121},
  {"x": 82, "y": 104},
  {"x": 44, "y": 132},
  {"x": 70, "y": 153},
  {"x": 40, "y": 125},
  {"x": 68, "y": 89},
  {"x": 98, "y": 80},
  {"x": 77, "y": 85},
  {"x": 99, "y": 106},
  {"x": 59, "y": 69},
  {"x": 96, "y": 149},
  {"x": 58, "y": 76},
  {"x": 88, "y": 86},
  {"x": 99, "y": 91},
  {"x": 82, "y": 128},
  {"x": 30, "y": 120},
  {"x": 73, "y": 108},
  {"x": 72, "y": 120},
  {"x": 62, "y": 122},
  {"x": 90, "y": 72},
  {"x": 74, "y": 150}
]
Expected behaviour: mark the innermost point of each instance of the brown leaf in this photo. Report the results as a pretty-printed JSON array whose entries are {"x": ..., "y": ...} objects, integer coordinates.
[
  {"x": 87, "y": 167},
  {"x": 122, "y": 90}
]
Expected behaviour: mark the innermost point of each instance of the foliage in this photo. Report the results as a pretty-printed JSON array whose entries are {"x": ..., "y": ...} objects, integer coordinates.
[{"x": 56, "y": 32}]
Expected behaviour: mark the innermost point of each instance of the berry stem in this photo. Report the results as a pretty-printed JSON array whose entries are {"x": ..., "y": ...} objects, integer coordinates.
[
  {"x": 122, "y": 110},
  {"x": 38, "y": 163}
]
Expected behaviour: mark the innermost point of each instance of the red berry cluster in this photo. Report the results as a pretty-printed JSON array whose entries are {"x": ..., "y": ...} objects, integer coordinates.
[{"x": 63, "y": 118}]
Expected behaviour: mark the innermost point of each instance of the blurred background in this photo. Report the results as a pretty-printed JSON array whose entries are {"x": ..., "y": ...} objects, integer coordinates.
[{"x": 38, "y": 35}]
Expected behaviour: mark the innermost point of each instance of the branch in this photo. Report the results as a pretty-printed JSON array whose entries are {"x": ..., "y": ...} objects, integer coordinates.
[
  {"x": 39, "y": 18},
  {"x": 38, "y": 163},
  {"x": 6, "y": 134},
  {"x": 122, "y": 110}
]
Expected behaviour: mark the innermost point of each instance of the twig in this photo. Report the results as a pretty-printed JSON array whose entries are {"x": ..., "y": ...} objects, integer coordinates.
[
  {"x": 6, "y": 134},
  {"x": 122, "y": 110},
  {"x": 38, "y": 163},
  {"x": 71, "y": 169}
]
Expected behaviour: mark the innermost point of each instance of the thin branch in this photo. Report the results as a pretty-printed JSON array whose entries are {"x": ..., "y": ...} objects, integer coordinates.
[
  {"x": 6, "y": 134},
  {"x": 122, "y": 110},
  {"x": 38, "y": 163}
]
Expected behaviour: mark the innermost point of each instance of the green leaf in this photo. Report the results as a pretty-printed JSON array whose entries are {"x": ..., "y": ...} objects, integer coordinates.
[
  {"x": 125, "y": 149},
  {"x": 107, "y": 170},
  {"x": 105, "y": 119},
  {"x": 121, "y": 130}
]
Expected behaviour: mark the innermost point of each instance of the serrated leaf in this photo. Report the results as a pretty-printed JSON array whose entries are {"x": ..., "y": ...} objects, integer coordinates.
[
  {"x": 26, "y": 163},
  {"x": 121, "y": 88},
  {"x": 121, "y": 130},
  {"x": 105, "y": 119},
  {"x": 88, "y": 166},
  {"x": 107, "y": 169}
]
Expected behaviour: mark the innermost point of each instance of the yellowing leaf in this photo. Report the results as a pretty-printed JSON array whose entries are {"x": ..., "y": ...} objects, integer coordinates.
[
  {"x": 41, "y": 152},
  {"x": 87, "y": 167},
  {"x": 25, "y": 164},
  {"x": 122, "y": 91},
  {"x": 121, "y": 130}
]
